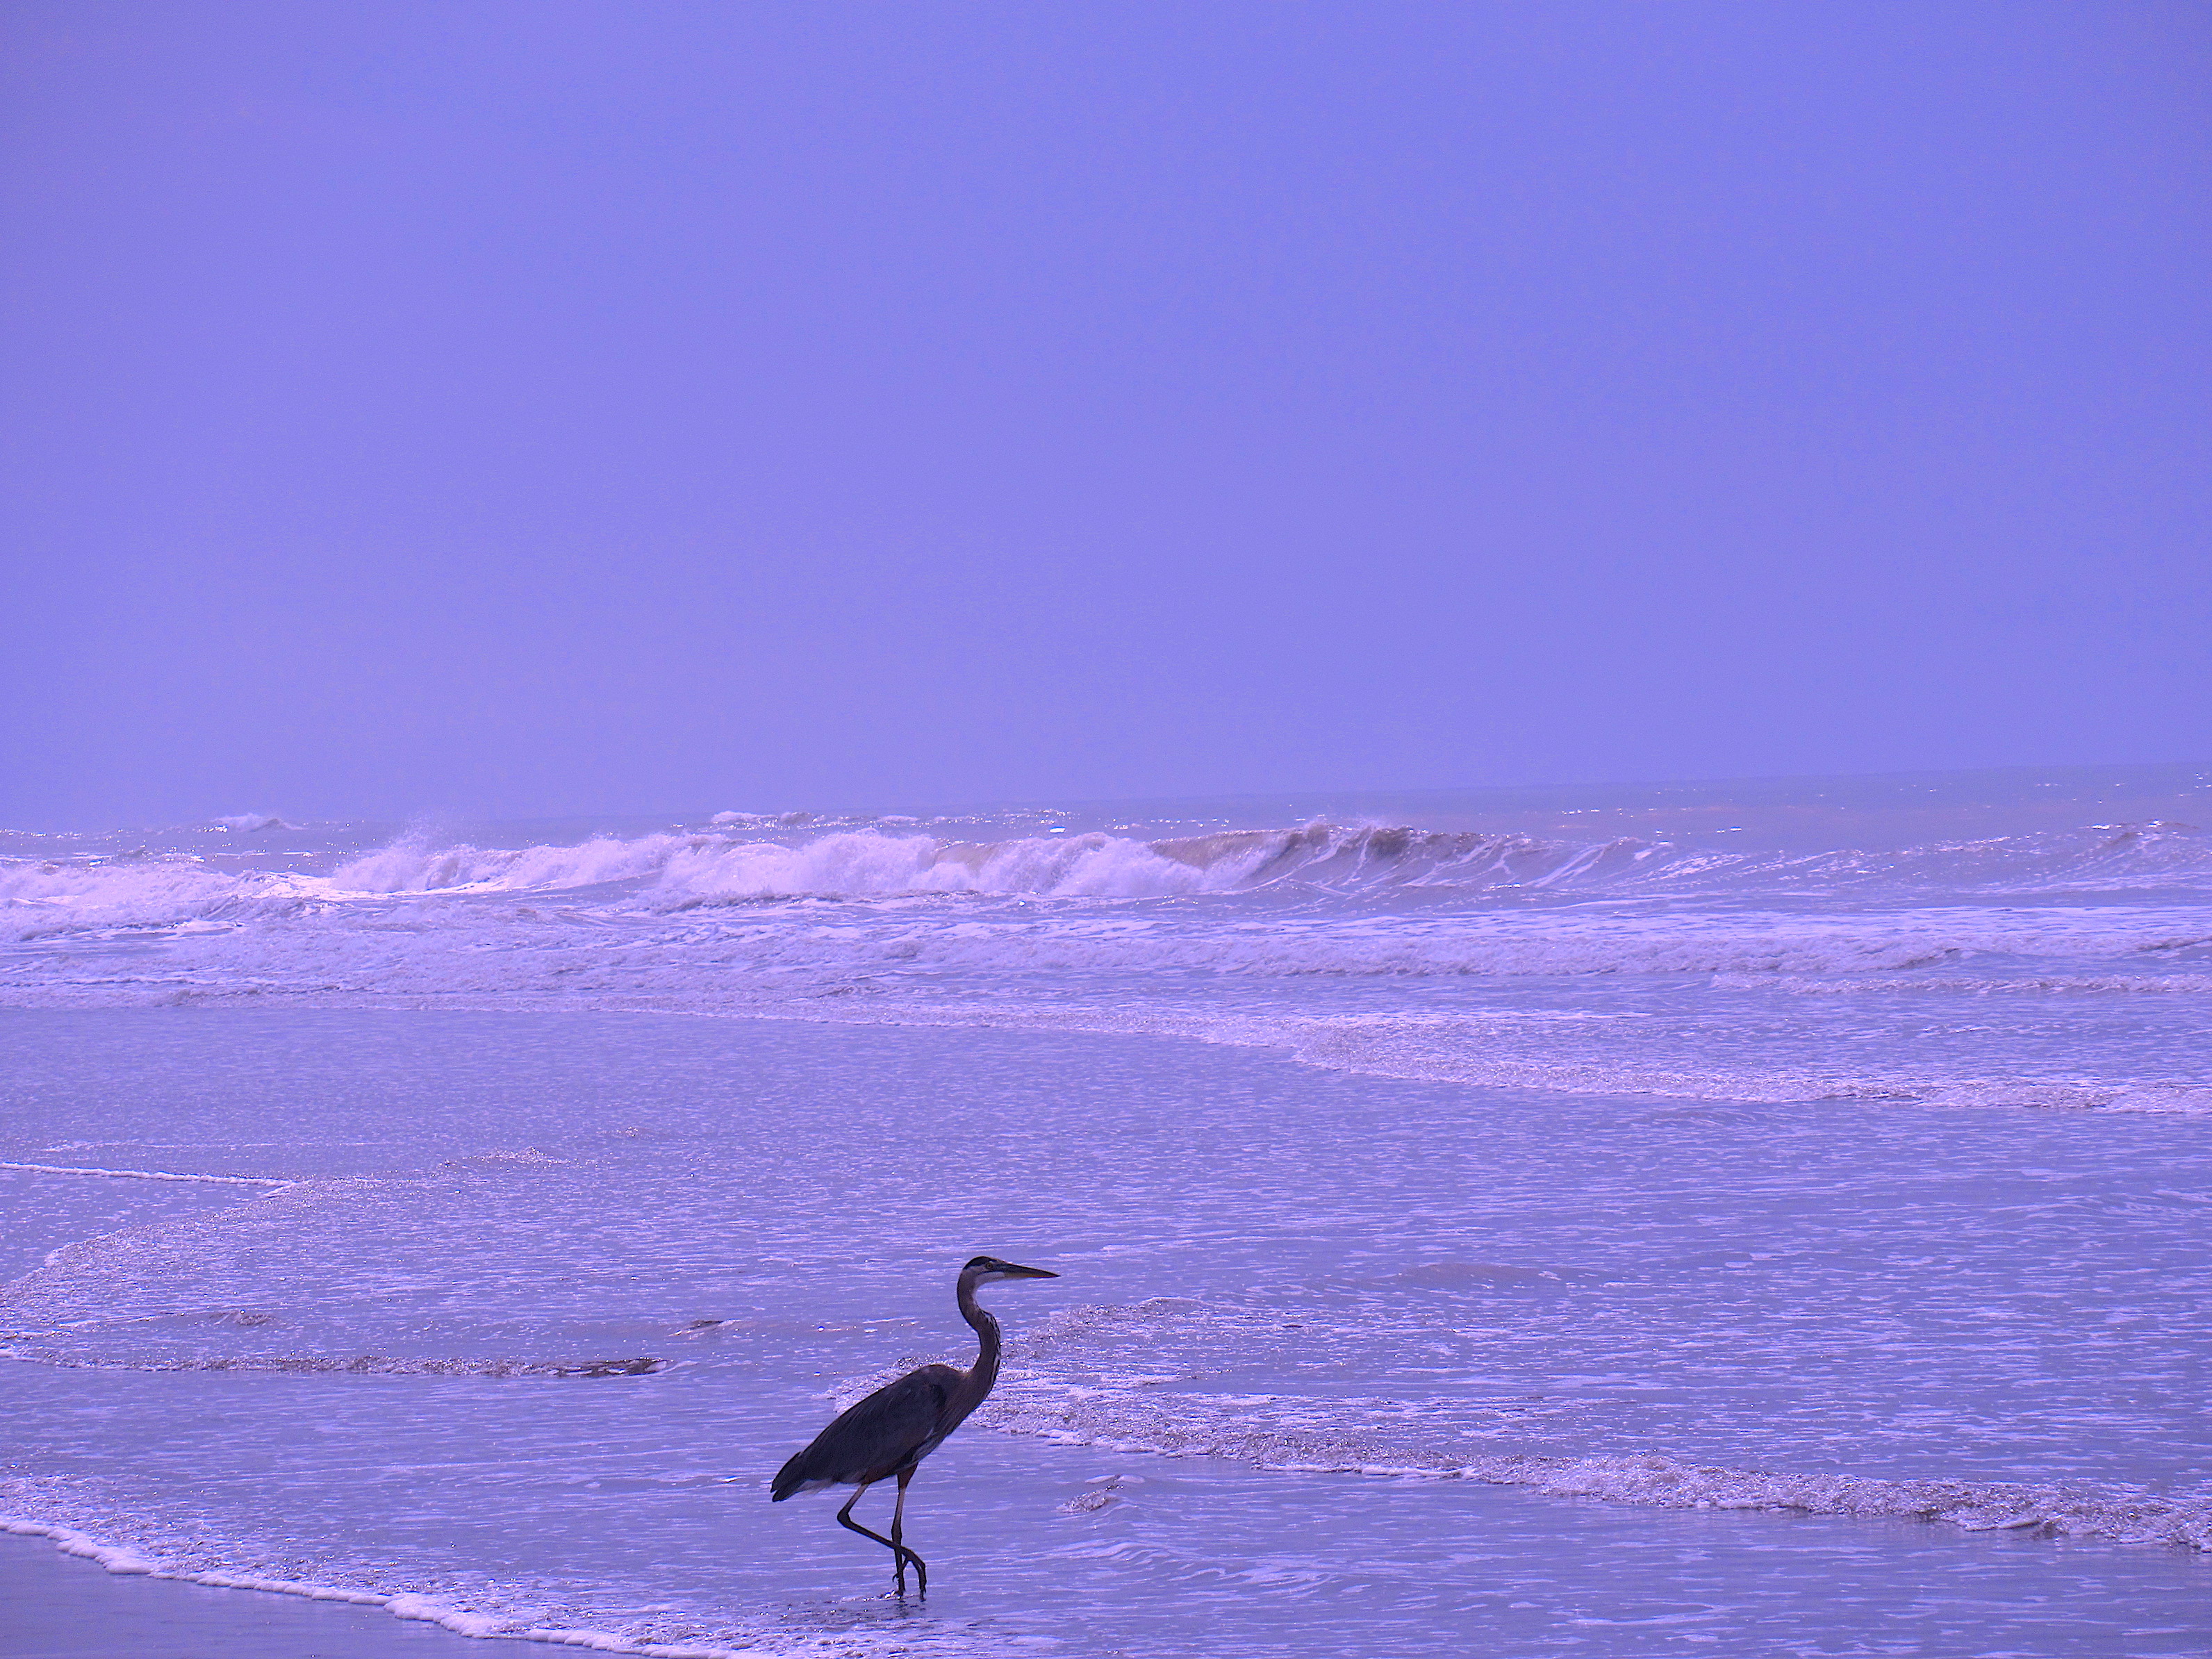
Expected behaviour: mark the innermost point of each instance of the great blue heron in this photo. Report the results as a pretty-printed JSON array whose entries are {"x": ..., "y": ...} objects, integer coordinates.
[{"x": 891, "y": 1431}]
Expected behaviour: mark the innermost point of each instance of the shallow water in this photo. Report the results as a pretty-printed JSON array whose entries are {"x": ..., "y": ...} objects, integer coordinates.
[{"x": 1866, "y": 1310}]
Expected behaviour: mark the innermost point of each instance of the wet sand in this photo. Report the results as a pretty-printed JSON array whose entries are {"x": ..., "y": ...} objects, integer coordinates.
[{"x": 54, "y": 1606}]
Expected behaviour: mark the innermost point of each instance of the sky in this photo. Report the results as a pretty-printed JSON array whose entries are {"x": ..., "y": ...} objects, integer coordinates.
[{"x": 522, "y": 410}]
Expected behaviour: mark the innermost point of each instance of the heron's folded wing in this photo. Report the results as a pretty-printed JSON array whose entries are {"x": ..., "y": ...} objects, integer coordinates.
[{"x": 872, "y": 1437}]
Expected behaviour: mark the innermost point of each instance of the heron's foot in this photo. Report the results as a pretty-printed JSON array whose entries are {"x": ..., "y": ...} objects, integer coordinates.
[{"x": 920, "y": 1572}]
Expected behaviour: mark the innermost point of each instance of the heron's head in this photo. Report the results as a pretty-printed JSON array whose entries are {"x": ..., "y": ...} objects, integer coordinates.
[{"x": 989, "y": 1270}]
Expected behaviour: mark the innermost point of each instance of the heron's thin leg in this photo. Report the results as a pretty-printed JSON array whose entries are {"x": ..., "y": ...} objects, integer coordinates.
[
  {"x": 845, "y": 1520},
  {"x": 898, "y": 1539},
  {"x": 900, "y": 1553}
]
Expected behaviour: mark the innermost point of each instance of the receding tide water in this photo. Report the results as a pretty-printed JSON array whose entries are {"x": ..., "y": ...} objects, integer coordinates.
[{"x": 1738, "y": 1220}]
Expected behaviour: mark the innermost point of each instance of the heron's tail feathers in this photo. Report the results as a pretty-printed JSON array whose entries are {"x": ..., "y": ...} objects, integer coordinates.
[{"x": 793, "y": 1478}]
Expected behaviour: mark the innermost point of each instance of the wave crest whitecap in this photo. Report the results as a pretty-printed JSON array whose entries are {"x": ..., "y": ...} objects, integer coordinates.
[
  {"x": 675, "y": 871},
  {"x": 872, "y": 863}
]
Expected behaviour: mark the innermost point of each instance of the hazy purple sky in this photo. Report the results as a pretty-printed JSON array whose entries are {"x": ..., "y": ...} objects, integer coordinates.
[{"x": 557, "y": 407}]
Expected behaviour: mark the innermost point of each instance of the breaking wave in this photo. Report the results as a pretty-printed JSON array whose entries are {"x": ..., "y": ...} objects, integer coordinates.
[
  {"x": 42, "y": 899},
  {"x": 1323, "y": 856},
  {"x": 673, "y": 871}
]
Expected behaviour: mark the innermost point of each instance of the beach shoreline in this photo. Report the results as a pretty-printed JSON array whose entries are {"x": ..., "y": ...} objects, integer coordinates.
[{"x": 62, "y": 1606}]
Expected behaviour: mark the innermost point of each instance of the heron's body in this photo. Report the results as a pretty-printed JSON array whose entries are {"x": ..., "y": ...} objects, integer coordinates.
[{"x": 887, "y": 1435}]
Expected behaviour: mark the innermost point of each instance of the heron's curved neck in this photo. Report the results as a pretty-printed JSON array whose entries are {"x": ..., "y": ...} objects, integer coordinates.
[{"x": 985, "y": 1370}]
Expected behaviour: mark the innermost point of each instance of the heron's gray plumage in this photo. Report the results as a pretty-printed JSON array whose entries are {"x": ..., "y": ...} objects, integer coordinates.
[
  {"x": 895, "y": 1427},
  {"x": 889, "y": 1433}
]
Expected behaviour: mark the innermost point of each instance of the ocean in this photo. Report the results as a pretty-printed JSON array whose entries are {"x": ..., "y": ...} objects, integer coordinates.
[{"x": 1763, "y": 1218}]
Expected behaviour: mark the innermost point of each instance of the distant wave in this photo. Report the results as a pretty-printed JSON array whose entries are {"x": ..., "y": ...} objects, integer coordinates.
[
  {"x": 1330, "y": 857},
  {"x": 867, "y": 863},
  {"x": 674, "y": 872}
]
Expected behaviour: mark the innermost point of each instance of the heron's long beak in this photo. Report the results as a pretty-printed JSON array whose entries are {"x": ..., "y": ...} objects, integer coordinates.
[{"x": 1028, "y": 1273}]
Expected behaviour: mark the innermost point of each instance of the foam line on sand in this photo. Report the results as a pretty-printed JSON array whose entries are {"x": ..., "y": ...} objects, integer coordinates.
[{"x": 231, "y": 1635}]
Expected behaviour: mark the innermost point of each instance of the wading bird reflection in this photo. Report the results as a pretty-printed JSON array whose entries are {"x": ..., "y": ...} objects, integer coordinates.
[{"x": 891, "y": 1431}]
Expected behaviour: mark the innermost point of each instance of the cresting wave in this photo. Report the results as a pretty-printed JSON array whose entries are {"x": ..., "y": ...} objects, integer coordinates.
[
  {"x": 51, "y": 899},
  {"x": 675, "y": 871},
  {"x": 703, "y": 869}
]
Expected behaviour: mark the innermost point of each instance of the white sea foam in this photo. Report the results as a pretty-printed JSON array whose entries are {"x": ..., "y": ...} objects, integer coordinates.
[
  {"x": 1091, "y": 1417},
  {"x": 2020, "y": 985},
  {"x": 462, "y": 1620},
  {"x": 367, "y": 1364},
  {"x": 413, "y": 866},
  {"x": 678, "y": 870},
  {"x": 127, "y": 1546},
  {"x": 764, "y": 820},
  {"x": 1362, "y": 857},
  {"x": 148, "y": 1175},
  {"x": 1070, "y": 1400},
  {"x": 40, "y": 899},
  {"x": 1073, "y": 1383}
]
